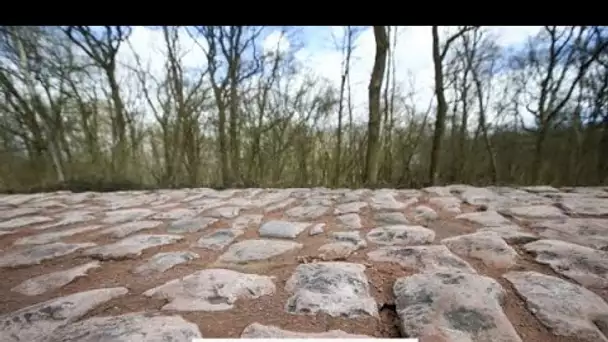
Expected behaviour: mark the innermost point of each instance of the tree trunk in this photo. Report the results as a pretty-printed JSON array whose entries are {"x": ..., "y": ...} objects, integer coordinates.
[
  {"x": 345, "y": 70},
  {"x": 537, "y": 164},
  {"x": 375, "y": 86},
  {"x": 442, "y": 109},
  {"x": 235, "y": 150}
]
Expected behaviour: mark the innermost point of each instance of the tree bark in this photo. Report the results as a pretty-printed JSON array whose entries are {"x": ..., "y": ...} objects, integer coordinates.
[
  {"x": 442, "y": 108},
  {"x": 375, "y": 86}
]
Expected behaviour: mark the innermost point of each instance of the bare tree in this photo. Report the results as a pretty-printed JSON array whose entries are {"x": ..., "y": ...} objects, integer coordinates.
[
  {"x": 102, "y": 48},
  {"x": 390, "y": 95},
  {"x": 481, "y": 57},
  {"x": 72, "y": 109},
  {"x": 230, "y": 44},
  {"x": 555, "y": 61},
  {"x": 346, "y": 47},
  {"x": 375, "y": 85},
  {"x": 39, "y": 69},
  {"x": 439, "y": 55}
]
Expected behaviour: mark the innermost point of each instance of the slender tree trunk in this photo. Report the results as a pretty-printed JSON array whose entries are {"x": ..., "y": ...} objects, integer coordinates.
[
  {"x": 235, "y": 149},
  {"x": 375, "y": 87},
  {"x": 345, "y": 70},
  {"x": 442, "y": 109}
]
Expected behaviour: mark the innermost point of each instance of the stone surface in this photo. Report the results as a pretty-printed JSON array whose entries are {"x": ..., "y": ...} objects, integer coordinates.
[
  {"x": 488, "y": 218},
  {"x": 342, "y": 245},
  {"x": 401, "y": 235},
  {"x": 317, "y": 229},
  {"x": 307, "y": 213},
  {"x": 163, "y": 261},
  {"x": 350, "y": 221},
  {"x": 338, "y": 289},
  {"x": 245, "y": 221},
  {"x": 175, "y": 214},
  {"x": 585, "y": 206},
  {"x": 351, "y": 237},
  {"x": 282, "y": 229},
  {"x": 69, "y": 218},
  {"x": 425, "y": 214},
  {"x": 447, "y": 203},
  {"x": 438, "y": 191},
  {"x": 488, "y": 247},
  {"x": 129, "y": 228},
  {"x": 34, "y": 323},
  {"x": 585, "y": 265},
  {"x": 385, "y": 202},
  {"x": 32, "y": 255},
  {"x": 590, "y": 232},
  {"x": 47, "y": 250},
  {"x": 7, "y": 214},
  {"x": 320, "y": 200},
  {"x": 391, "y": 218},
  {"x": 511, "y": 234},
  {"x": 225, "y": 212},
  {"x": 351, "y": 196},
  {"x": 565, "y": 308},
  {"x": 535, "y": 212},
  {"x": 212, "y": 290},
  {"x": 52, "y": 281},
  {"x": 540, "y": 189},
  {"x": 506, "y": 197},
  {"x": 350, "y": 207},
  {"x": 452, "y": 306},
  {"x": 256, "y": 250},
  {"x": 126, "y": 215},
  {"x": 479, "y": 196},
  {"x": 423, "y": 258},
  {"x": 41, "y": 239},
  {"x": 334, "y": 251},
  {"x": 257, "y": 330},
  {"x": 19, "y": 222},
  {"x": 131, "y": 247},
  {"x": 133, "y": 327},
  {"x": 190, "y": 225},
  {"x": 279, "y": 205},
  {"x": 218, "y": 239}
]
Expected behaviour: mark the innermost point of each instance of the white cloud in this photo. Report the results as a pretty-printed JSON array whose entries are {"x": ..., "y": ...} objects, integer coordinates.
[
  {"x": 150, "y": 46},
  {"x": 276, "y": 41},
  {"x": 512, "y": 35},
  {"x": 412, "y": 54},
  {"x": 413, "y": 58}
]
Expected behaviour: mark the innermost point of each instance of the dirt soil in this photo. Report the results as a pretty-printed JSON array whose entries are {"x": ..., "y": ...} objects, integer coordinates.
[{"x": 269, "y": 310}]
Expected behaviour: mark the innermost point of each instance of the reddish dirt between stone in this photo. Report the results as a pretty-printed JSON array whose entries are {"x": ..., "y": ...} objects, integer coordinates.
[{"x": 266, "y": 310}]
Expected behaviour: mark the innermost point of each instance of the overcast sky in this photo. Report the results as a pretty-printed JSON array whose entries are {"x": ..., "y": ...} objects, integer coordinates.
[{"x": 317, "y": 50}]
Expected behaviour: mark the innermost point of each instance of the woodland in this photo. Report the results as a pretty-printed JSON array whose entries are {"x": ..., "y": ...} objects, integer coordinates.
[{"x": 250, "y": 117}]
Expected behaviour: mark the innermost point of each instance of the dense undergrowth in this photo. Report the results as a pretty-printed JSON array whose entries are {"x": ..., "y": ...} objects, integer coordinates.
[
  {"x": 81, "y": 185},
  {"x": 104, "y": 185}
]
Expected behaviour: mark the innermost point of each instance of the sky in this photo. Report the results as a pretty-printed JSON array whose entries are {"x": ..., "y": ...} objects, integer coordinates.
[{"x": 315, "y": 47}]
